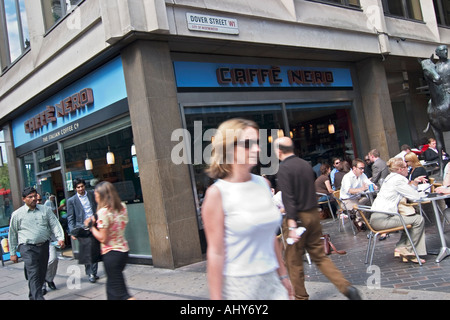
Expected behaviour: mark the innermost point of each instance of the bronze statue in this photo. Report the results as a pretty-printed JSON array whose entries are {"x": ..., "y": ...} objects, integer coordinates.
[{"x": 437, "y": 76}]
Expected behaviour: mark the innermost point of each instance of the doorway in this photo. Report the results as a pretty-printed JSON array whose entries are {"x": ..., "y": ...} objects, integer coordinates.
[{"x": 51, "y": 183}]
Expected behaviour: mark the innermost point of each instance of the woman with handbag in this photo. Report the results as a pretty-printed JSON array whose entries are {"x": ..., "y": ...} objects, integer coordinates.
[
  {"x": 112, "y": 219},
  {"x": 396, "y": 187},
  {"x": 243, "y": 259}
]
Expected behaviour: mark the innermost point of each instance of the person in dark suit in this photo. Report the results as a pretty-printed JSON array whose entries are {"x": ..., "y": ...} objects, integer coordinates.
[
  {"x": 296, "y": 182},
  {"x": 80, "y": 207},
  {"x": 380, "y": 169}
]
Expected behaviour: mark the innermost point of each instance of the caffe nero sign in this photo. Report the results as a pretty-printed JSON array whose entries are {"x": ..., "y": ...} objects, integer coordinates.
[{"x": 67, "y": 106}]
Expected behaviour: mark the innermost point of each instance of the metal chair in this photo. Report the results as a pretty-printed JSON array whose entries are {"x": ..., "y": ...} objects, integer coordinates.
[
  {"x": 326, "y": 202},
  {"x": 373, "y": 234},
  {"x": 341, "y": 210}
]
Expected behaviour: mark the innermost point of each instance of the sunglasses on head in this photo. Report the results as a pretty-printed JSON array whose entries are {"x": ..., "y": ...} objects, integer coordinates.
[{"x": 247, "y": 143}]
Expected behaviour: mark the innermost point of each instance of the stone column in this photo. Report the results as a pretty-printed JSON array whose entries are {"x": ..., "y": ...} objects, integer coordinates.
[
  {"x": 377, "y": 107},
  {"x": 167, "y": 192}
]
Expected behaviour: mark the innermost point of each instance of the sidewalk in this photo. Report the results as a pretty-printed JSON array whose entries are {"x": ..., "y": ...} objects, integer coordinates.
[{"x": 398, "y": 281}]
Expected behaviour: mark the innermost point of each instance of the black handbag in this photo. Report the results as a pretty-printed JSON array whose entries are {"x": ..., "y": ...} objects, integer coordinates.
[{"x": 80, "y": 232}]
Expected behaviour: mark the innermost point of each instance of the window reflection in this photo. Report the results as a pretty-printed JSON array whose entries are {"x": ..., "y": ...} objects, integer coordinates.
[
  {"x": 6, "y": 205},
  {"x": 55, "y": 10},
  {"x": 122, "y": 173},
  {"x": 16, "y": 39}
]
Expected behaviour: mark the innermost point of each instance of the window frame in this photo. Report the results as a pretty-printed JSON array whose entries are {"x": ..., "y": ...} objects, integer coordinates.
[
  {"x": 439, "y": 13},
  {"x": 64, "y": 14},
  {"x": 406, "y": 14},
  {"x": 342, "y": 4},
  {"x": 5, "y": 59}
]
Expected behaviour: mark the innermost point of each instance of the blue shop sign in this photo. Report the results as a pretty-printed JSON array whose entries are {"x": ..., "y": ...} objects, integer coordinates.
[
  {"x": 200, "y": 76},
  {"x": 60, "y": 115}
]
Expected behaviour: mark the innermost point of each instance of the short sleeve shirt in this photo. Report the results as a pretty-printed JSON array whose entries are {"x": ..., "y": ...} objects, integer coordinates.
[{"x": 116, "y": 223}]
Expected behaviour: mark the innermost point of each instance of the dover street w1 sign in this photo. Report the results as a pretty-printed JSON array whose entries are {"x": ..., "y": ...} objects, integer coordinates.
[{"x": 201, "y": 22}]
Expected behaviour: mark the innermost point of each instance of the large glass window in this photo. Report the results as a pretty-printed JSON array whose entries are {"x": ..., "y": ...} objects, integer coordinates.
[
  {"x": 347, "y": 3},
  {"x": 86, "y": 156},
  {"x": 204, "y": 118},
  {"x": 48, "y": 158},
  {"x": 14, "y": 35},
  {"x": 321, "y": 131},
  {"x": 442, "y": 10},
  {"x": 55, "y": 10},
  {"x": 94, "y": 146},
  {"x": 6, "y": 206},
  {"x": 403, "y": 8},
  {"x": 28, "y": 171}
]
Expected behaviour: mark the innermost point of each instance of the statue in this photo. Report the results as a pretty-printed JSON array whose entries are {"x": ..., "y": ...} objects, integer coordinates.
[{"x": 437, "y": 76}]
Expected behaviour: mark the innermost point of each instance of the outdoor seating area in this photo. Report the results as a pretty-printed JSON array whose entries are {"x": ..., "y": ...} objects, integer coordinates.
[{"x": 392, "y": 273}]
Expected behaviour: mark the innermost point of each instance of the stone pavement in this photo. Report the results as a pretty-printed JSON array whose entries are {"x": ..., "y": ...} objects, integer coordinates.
[{"x": 396, "y": 280}]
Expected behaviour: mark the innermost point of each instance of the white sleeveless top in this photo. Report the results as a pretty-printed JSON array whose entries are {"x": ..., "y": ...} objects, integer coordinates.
[{"x": 251, "y": 222}]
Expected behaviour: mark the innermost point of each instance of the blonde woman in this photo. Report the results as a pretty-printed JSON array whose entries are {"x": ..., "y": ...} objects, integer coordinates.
[
  {"x": 112, "y": 219},
  {"x": 415, "y": 167},
  {"x": 240, "y": 220},
  {"x": 395, "y": 187}
]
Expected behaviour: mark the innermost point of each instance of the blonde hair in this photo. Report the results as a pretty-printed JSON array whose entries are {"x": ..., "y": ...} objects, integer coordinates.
[
  {"x": 226, "y": 136},
  {"x": 108, "y": 196},
  {"x": 412, "y": 157},
  {"x": 395, "y": 163}
]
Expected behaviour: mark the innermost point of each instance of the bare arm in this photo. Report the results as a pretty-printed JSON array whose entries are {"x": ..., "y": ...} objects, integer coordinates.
[{"x": 214, "y": 223}]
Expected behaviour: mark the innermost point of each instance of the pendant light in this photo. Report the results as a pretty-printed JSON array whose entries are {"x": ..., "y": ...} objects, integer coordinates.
[
  {"x": 88, "y": 163},
  {"x": 110, "y": 157},
  {"x": 331, "y": 128}
]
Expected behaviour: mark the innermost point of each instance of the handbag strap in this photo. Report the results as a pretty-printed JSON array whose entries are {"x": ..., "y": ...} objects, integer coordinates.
[{"x": 333, "y": 247}]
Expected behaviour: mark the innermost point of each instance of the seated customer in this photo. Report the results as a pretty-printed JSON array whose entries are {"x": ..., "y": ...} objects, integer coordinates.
[
  {"x": 395, "y": 187},
  {"x": 431, "y": 155},
  {"x": 416, "y": 168},
  {"x": 343, "y": 168},
  {"x": 354, "y": 183},
  {"x": 323, "y": 183}
]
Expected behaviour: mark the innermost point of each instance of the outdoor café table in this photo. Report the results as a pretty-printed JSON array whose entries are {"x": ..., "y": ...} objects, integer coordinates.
[
  {"x": 370, "y": 194},
  {"x": 433, "y": 197}
]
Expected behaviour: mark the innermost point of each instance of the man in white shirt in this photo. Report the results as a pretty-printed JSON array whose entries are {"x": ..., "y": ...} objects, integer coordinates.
[
  {"x": 354, "y": 183},
  {"x": 404, "y": 150}
]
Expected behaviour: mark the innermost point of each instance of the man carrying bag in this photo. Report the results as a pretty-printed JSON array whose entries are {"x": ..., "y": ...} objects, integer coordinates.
[{"x": 81, "y": 206}]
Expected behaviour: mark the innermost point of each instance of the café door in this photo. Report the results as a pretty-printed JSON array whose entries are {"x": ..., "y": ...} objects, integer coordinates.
[{"x": 51, "y": 183}]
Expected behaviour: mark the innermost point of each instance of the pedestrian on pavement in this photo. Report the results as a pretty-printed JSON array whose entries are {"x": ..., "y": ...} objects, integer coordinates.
[
  {"x": 296, "y": 182},
  {"x": 30, "y": 231},
  {"x": 81, "y": 206},
  {"x": 241, "y": 221},
  {"x": 52, "y": 265},
  {"x": 112, "y": 219}
]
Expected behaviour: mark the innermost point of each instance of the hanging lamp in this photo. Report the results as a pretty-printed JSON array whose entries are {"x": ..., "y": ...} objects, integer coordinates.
[
  {"x": 110, "y": 159},
  {"x": 88, "y": 163}
]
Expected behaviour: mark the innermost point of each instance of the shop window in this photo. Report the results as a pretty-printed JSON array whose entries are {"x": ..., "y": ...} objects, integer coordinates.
[
  {"x": 48, "y": 158},
  {"x": 321, "y": 131},
  {"x": 409, "y": 9},
  {"x": 120, "y": 172},
  {"x": 6, "y": 206},
  {"x": 56, "y": 10},
  {"x": 28, "y": 171},
  {"x": 442, "y": 10},
  {"x": 346, "y": 3},
  {"x": 268, "y": 117},
  {"x": 14, "y": 38},
  {"x": 117, "y": 138}
]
